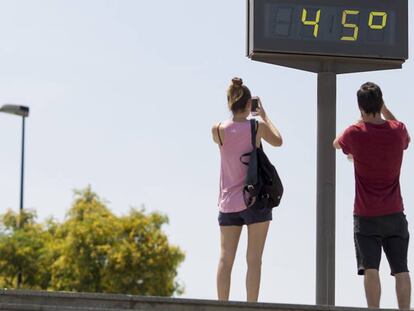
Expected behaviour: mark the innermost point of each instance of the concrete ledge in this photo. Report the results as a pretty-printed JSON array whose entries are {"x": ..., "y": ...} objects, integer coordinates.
[
  {"x": 62, "y": 301},
  {"x": 27, "y": 307}
]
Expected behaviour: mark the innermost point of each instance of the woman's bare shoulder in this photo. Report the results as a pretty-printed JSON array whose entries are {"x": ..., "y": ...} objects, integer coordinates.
[
  {"x": 215, "y": 126},
  {"x": 215, "y": 129}
]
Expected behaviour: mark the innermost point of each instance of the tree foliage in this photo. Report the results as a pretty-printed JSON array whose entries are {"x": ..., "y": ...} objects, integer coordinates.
[{"x": 92, "y": 250}]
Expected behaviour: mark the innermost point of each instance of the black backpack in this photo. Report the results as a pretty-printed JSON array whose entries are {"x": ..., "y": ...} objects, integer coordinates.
[{"x": 262, "y": 188}]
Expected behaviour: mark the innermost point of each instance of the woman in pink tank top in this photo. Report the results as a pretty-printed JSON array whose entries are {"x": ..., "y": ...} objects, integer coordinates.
[{"x": 234, "y": 139}]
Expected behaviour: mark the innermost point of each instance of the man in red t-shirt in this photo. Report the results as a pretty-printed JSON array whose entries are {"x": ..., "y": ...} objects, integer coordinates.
[{"x": 376, "y": 145}]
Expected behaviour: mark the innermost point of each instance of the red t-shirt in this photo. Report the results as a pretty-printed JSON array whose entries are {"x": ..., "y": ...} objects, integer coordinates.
[{"x": 377, "y": 150}]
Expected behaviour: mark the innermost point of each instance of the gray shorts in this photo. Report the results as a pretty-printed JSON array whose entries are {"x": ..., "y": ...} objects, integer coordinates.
[{"x": 245, "y": 217}]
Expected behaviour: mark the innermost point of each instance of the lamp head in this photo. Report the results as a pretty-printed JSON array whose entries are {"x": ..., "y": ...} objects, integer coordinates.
[{"x": 22, "y": 111}]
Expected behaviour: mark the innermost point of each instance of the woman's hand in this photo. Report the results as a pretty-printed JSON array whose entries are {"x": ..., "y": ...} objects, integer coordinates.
[{"x": 260, "y": 110}]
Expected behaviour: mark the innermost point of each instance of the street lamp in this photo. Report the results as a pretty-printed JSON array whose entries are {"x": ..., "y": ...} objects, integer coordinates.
[{"x": 23, "y": 112}]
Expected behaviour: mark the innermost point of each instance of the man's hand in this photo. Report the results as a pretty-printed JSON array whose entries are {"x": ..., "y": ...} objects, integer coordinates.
[
  {"x": 387, "y": 114},
  {"x": 336, "y": 144}
]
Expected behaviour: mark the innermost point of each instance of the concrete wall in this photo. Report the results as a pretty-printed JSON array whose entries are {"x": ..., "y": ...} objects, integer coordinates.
[{"x": 16, "y": 300}]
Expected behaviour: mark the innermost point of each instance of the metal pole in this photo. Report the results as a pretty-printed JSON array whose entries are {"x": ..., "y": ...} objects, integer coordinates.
[
  {"x": 325, "y": 220},
  {"x": 22, "y": 167},
  {"x": 19, "y": 275}
]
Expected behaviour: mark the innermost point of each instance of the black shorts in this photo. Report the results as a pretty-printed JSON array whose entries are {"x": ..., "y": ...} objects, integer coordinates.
[
  {"x": 372, "y": 234},
  {"x": 245, "y": 217}
]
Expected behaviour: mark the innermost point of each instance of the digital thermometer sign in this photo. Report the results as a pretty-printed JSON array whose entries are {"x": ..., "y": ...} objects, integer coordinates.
[{"x": 342, "y": 28}]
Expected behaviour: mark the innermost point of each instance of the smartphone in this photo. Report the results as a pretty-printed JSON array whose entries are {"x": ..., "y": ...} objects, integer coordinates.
[{"x": 255, "y": 105}]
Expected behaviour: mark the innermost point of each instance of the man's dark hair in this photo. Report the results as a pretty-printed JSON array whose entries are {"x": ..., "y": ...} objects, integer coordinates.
[{"x": 370, "y": 98}]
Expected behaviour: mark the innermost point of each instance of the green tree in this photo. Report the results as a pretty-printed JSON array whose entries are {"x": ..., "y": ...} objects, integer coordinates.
[
  {"x": 24, "y": 247},
  {"x": 93, "y": 250},
  {"x": 143, "y": 262},
  {"x": 82, "y": 243}
]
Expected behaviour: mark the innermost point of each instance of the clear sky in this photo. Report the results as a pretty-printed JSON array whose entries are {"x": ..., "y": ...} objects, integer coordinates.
[{"x": 123, "y": 94}]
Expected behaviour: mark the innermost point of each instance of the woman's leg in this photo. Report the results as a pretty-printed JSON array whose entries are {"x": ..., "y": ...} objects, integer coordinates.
[
  {"x": 256, "y": 240},
  {"x": 229, "y": 236}
]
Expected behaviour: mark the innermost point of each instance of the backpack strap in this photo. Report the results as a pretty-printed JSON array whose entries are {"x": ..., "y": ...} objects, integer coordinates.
[
  {"x": 218, "y": 133},
  {"x": 254, "y": 126}
]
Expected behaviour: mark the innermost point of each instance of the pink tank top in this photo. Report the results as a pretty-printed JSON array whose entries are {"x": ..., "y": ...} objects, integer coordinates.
[{"x": 237, "y": 141}]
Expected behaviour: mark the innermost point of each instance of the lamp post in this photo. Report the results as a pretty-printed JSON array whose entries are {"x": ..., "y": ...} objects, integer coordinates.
[{"x": 23, "y": 112}]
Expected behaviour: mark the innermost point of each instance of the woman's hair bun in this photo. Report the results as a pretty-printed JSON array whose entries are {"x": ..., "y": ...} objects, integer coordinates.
[
  {"x": 237, "y": 81},
  {"x": 237, "y": 95}
]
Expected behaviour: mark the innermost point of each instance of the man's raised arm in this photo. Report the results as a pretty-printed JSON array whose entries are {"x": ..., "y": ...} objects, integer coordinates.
[{"x": 387, "y": 114}]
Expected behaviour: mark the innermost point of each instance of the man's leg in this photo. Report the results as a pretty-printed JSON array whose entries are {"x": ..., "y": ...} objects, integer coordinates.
[
  {"x": 368, "y": 249},
  {"x": 403, "y": 288},
  {"x": 396, "y": 249},
  {"x": 372, "y": 288}
]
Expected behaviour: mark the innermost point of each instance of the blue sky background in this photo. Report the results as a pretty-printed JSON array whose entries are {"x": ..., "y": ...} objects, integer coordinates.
[{"x": 123, "y": 95}]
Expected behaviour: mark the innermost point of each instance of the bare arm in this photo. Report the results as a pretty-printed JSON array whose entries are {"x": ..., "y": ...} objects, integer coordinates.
[
  {"x": 268, "y": 130},
  {"x": 214, "y": 134},
  {"x": 336, "y": 144},
  {"x": 387, "y": 114},
  {"x": 271, "y": 134}
]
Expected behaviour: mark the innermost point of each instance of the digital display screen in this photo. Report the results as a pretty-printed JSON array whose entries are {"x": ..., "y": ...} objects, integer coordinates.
[
  {"x": 369, "y": 28},
  {"x": 330, "y": 24}
]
